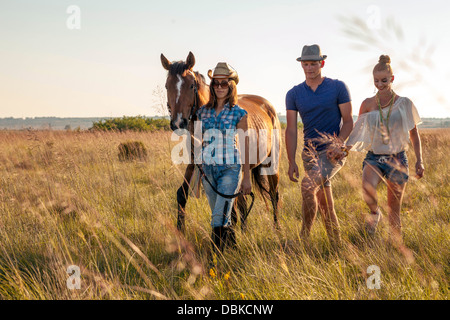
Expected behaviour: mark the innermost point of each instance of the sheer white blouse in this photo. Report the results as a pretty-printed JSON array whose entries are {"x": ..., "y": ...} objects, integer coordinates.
[{"x": 366, "y": 134}]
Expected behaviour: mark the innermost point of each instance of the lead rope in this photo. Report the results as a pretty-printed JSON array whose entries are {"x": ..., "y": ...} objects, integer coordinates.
[{"x": 227, "y": 196}]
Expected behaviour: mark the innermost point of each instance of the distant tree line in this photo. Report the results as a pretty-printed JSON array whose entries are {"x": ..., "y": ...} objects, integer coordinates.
[
  {"x": 138, "y": 123},
  {"x": 141, "y": 123}
]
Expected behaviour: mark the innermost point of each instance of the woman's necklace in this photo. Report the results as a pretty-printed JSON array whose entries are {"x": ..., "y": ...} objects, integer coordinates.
[{"x": 385, "y": 129}]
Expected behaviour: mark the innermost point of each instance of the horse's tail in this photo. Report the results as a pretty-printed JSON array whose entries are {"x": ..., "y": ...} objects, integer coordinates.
[
  {"x": 273, "y": 115},
  {"x": 261, "y": 183}
]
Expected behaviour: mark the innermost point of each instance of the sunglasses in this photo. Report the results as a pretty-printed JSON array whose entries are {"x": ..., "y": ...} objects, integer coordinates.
[{"x": 222, "y": 84}]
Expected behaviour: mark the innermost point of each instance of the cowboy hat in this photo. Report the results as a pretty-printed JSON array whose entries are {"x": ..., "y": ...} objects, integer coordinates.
[
  {"x": 311, "y": 53},
  {"x": 223, "y": 70}
]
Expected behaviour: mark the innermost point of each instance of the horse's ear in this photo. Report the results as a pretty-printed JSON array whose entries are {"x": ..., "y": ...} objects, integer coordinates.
[
  {"x": 190, "y": 61},
  {"x": 165, "y": 63}
]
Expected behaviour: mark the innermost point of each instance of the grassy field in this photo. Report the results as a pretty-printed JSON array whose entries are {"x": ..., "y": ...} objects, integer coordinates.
[{"x": 66, "y": 199}]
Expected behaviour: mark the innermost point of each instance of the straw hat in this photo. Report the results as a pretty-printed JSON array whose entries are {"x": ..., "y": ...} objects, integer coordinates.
[
  {"x": 223, "y": 70},
  {"x": 311, "y": 53}
]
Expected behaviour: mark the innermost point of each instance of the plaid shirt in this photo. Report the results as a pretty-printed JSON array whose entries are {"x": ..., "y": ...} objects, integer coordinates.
[{"x": 219, "y": 134}]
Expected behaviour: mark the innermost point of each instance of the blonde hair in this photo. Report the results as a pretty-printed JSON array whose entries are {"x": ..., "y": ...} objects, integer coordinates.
[
  {"x": 384, "y": 64},
  {"x": 231, "y": 98}
]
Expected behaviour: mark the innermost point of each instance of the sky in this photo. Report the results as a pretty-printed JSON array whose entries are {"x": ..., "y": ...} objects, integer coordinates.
[{"x": 103, "y": 59}]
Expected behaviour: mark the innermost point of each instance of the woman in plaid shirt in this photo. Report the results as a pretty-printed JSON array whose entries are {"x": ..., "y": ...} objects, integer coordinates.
[{"x": 221, "y": 117}]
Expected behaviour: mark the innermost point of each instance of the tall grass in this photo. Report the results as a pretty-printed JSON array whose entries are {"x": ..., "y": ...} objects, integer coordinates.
[{"x": 66, "y": 199}]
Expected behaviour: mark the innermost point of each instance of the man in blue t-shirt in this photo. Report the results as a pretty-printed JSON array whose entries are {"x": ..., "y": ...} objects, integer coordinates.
[{"x": 325, "y": 108}]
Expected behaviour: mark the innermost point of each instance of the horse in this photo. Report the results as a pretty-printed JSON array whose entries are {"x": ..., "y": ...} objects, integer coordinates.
[{"x": 187, "y": 91}]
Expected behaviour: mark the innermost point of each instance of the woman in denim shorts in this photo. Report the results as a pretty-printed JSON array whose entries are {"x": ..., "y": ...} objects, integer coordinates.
[
  {"x": 385, "y": 126},
  {"x": 221, "y": 117}
]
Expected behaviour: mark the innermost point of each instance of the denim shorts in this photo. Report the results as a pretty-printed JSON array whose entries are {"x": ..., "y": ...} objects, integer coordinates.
[
  {"x": 318, "y": 167},
  {"x": 226, "y": 179},
  {"x": 393, "y": 167}
]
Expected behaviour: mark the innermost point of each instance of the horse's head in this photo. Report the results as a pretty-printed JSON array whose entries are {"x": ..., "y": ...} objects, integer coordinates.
[{"x": 182, "y": 90}]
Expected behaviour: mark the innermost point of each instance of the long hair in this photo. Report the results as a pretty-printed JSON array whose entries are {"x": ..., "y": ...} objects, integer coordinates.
[{"x": 231, "y": 98}]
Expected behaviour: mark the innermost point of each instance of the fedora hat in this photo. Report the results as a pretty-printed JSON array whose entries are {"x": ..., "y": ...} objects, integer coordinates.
[
  {"x": 311, "y": 53},
  {"x": 223, "y": 70}
]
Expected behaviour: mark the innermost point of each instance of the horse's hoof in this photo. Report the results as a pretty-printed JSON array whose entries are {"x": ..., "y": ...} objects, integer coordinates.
[{"x": 181, "y": 227}]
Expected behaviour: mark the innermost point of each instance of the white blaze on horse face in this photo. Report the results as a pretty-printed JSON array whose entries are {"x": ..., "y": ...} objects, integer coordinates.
[
  {"x": 179, "y": 84},
  {"x": 178, "y": 120}
]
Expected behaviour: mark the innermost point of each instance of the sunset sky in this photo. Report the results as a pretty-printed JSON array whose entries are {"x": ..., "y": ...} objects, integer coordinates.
[{"x": 111, "y": 67}]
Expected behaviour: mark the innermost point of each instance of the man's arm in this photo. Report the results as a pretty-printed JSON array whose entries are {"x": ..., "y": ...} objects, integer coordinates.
[
  {"x": 336, "y": 151},
  {"x": 347, "y": 121},
  {"x": 291, "y": 143}
]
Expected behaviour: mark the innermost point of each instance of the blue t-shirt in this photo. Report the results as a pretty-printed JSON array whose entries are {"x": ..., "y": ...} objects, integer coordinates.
[{"x": 319, "y": 110}]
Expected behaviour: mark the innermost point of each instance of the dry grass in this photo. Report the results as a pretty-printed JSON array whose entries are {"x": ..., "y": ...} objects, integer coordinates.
[{"x": 66, "y": 199}]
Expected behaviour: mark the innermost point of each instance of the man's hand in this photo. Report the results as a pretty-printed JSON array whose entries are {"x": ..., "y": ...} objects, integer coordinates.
[
  {"x": 335, "y": 153},
  {"x": 293, "y": 172}
]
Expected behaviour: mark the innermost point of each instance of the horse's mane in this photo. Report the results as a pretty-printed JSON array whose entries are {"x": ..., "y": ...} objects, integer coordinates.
[{"x": 179, "y": 67}]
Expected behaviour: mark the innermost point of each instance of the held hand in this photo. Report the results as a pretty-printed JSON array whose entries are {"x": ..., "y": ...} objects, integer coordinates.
[
  {"x": 331, "y": 154},
  {"x": 419, "y": 169},
  {"x": 335, "y": 154},
  {"x": 293, "y": 172},
  {"x": 246, "y": 186}
]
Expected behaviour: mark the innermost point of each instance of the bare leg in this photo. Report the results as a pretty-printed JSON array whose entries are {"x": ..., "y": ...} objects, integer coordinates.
[
  {"x": 309, "y": 206},
  {"x": 370, "y": 179},
  {"x": 395, "y": 197},
  {"x": 330, "y": 219}
]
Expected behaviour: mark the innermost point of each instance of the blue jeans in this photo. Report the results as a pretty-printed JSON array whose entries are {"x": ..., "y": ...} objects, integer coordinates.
[
  {"x": 227, "y": 180},
  {"x": 393, "y": 167}
]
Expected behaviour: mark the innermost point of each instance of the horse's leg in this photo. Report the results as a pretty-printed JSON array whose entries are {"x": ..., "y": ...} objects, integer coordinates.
[
  {"x": 274, "y": 196},
  {"x": 232, "y": 229},
  {"x": 241, "y": 205},
  {"x": 182, "y": 196}
]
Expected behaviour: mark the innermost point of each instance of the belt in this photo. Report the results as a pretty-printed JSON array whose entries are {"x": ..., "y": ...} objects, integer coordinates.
[{"x": 383, "y": 158}]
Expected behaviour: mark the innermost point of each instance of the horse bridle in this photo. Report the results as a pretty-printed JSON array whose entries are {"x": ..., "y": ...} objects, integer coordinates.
[
  {"x": 194, "y": 105},
  {"x": 196, "y": 99}
]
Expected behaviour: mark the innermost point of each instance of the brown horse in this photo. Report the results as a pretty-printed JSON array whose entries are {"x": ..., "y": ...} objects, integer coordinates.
[{"x": 186, "y": 92}]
